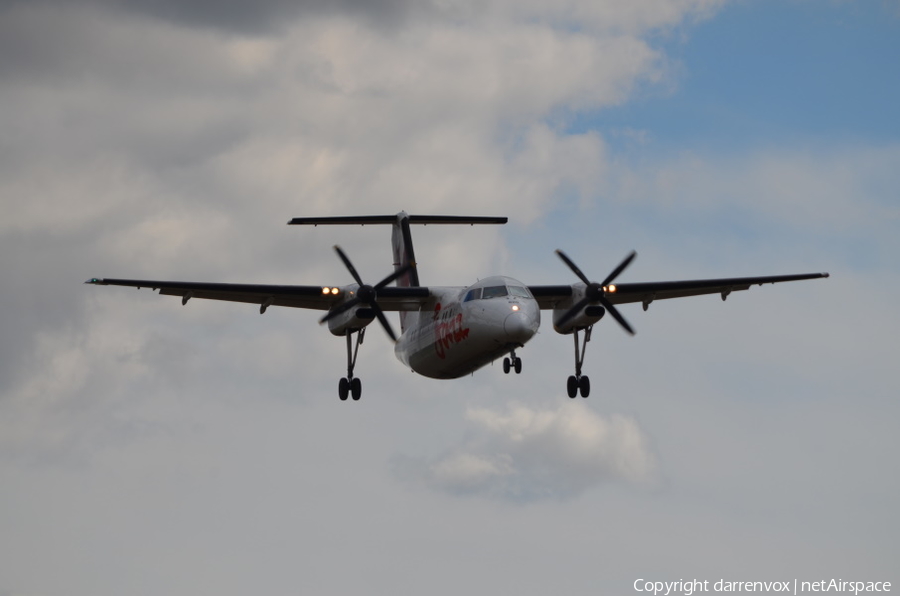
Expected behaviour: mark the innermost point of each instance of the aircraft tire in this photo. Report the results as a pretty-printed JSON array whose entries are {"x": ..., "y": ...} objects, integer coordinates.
[
  {"x": 584, "y": 385},
  {"x": 343, "y": 388},
  {"x": 572, "y": 386},
  {"x": 506, "y": 365},
  {"x": 518, "y": 365},
  {"x": 355, "y": 389}
]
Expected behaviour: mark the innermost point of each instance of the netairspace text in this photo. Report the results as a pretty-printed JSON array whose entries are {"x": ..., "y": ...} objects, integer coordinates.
[{"x": 688, "y": 587}]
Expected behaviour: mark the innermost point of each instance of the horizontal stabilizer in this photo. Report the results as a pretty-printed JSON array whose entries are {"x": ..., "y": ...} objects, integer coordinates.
[{"x": 390, "y": 219}]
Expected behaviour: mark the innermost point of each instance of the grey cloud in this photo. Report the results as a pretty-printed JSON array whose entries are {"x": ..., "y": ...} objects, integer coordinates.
[
  {"x": 526, "y": 454},
  {"x": 243, "y": 17}
]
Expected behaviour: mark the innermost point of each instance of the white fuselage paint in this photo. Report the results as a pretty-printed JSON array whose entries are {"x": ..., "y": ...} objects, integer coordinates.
[{"x": 451, "y": 337}]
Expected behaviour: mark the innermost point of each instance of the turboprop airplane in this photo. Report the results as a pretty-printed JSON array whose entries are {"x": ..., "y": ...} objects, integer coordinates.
[{"x": 447, "y": 332}]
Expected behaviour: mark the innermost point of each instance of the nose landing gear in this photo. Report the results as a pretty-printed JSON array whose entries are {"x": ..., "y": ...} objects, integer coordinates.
[{"x": 512, "y": 362}]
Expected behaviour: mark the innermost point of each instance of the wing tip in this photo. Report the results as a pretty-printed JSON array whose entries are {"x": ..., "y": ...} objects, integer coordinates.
[{"x": 96, "y": 281}]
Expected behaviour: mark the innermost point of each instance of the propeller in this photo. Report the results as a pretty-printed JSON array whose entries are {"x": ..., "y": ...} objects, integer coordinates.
[
  {"x": 595, "y": 292},
  {"x": 366, "y": 294}
]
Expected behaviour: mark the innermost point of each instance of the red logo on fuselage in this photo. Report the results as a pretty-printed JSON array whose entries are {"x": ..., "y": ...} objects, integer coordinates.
[{"x": 448, "y": 330}]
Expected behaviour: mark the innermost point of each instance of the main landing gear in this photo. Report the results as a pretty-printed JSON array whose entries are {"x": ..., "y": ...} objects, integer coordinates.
[
  {"x": 350, "y": 385},
  {"x": 513, "y": 362},
  {"x": 578, "y": 382},
  {"x": 593, "y": 293},
  {"x": 366, "y": 295}
]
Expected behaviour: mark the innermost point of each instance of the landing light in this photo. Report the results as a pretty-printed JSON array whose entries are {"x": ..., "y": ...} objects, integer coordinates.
[
  {"x": 611, "y": 289},
  {"x": 327, "y": 291},
  {"x": 335, "y": 291},
  {"x": 515, "y": 307}
]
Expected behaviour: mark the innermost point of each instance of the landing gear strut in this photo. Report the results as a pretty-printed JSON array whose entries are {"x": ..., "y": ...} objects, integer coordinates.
[
  {"x": 513, "y": 362},
  {"x": 578, "y": 382},
  {"x": 594, "y": 293},
  {"x": 366, "y": 295},
  {"x": 350, "y": 385}
]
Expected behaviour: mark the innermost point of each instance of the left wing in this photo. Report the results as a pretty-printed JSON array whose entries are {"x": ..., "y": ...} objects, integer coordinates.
[
  {"x": 312, "y": 297},
  {"x": 556, "y": 296}
]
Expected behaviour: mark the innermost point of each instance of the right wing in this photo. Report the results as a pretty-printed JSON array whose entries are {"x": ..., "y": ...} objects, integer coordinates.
[
  {"x": 560, "y": 296},
  {"x": 649, "y": 291}
]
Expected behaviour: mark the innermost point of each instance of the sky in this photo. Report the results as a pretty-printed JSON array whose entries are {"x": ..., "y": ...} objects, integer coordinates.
[{"x": 152, "y": 448}]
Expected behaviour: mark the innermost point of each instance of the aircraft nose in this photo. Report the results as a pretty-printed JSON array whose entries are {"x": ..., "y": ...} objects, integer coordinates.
[{"x": 520, "y": 327}]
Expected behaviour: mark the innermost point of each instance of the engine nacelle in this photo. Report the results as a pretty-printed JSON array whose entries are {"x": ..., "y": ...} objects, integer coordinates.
[
  {"x": 588, "y": 316},
  {"x": 352, "y": 320}
]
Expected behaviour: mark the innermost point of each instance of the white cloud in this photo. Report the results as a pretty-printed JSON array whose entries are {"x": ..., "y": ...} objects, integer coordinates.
[
  {"x": 160, "y": 150},
  {"x": 441, "y": 111},
  {"x": 527, "y": 454}
]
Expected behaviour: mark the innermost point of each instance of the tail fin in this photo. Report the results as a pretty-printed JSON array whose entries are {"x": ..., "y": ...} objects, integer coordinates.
[
  {"x": 401, "y": 242},
  {"x": 401, "y": 239}
]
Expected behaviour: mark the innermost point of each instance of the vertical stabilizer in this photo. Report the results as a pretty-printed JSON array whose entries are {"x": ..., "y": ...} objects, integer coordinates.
[
  {"x": 401, "y": 242},
  {"x": 401, "y": 239}
]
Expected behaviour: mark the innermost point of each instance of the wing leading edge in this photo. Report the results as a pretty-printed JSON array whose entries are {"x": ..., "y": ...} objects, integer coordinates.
[
  {"x": 551, "y": 296},
  {"x": 311, "y": 297},
  {"x": 411, "y": 298}
]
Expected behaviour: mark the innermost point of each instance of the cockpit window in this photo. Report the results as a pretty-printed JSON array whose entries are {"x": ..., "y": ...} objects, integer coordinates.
[{"x": 494, "y": 292}]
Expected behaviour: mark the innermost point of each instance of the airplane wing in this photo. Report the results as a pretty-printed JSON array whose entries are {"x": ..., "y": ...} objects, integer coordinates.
[
  {"x": 312, "y": 297},
  {"x": 549, "y": 297}
]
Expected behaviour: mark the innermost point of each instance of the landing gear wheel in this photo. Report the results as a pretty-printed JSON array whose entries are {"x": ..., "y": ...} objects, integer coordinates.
[
  {"x": 579, "y": 383},
  {"x": 506, "y": 366},
  {"x": 517, "y": 364},
  {"x": 584, "y": 385},
  {"x": 350, "y": 386}
]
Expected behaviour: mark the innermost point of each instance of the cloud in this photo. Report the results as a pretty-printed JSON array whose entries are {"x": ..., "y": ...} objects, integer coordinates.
[
  {"x": 268, "y": 15},
  {"x": 150, "y": 147},
  {"x": 326, "y": 111},
  {"x": 526, "y": 454},
  {"x": 236, "y": 16}
]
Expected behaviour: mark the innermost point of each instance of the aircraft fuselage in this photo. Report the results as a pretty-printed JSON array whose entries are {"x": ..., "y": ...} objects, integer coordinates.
[{"x": 462, "y": 329}]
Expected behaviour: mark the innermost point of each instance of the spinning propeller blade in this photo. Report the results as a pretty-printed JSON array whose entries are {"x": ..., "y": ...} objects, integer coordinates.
[
  {"x": 365, "y": 294},
  {"x": 596, "y": 292}
]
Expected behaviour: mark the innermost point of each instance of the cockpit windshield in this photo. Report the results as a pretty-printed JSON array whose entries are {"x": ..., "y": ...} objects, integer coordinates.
[{"x": 496, "y": 292}]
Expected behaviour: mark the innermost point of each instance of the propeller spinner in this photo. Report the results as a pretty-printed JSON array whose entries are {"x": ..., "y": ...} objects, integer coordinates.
[{"x": 596, "y": 292}]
